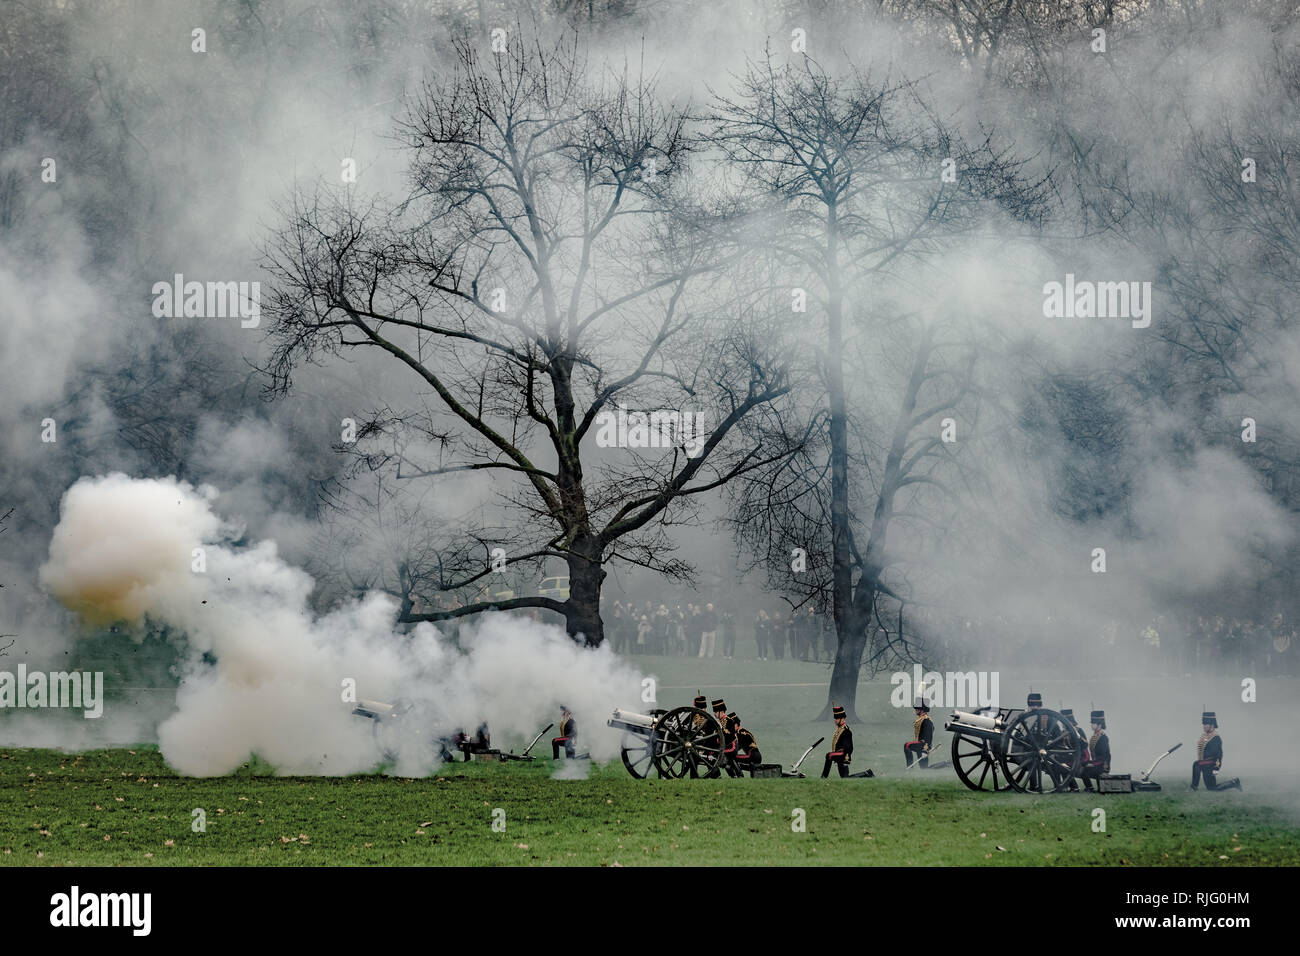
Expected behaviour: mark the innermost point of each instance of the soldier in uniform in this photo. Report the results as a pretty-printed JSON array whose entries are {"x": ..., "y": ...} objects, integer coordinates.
[
  {"x": 748, "y": 755},
  {"x": 728, "y": 737},
  {"x": 720, "y": 715},
  {"x": 1209, "y": 756},
  {"x": 1035, "y": 702},
  {"x": 1097, "y": 759},
  {"x": 699, "y": 721},
  {"x": 922, "y": 735},
  {"x": 841, "y": 752},
  {"x": 568, "y": 736},
  {"x": 481, "y": 742},
  {"x": 1068, "y": 714}
]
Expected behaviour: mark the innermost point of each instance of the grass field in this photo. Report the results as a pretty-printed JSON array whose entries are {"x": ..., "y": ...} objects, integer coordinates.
[{"x": 124, "y": 806}]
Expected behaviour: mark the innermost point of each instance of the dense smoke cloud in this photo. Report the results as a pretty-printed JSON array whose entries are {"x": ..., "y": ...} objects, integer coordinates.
[{"x": 261, "y": 674}]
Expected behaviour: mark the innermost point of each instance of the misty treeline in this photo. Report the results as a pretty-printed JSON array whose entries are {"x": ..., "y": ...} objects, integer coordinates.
[{"x": 810, "y": 228}]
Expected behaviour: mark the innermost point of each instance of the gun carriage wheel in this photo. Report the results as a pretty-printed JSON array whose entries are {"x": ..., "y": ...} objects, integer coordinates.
[
  {"x": 639, "y": 752},
  {"x": 685, "y": 745},
  {"x": 1040, "y": 750},
  {"x": 977, "y": 762}
]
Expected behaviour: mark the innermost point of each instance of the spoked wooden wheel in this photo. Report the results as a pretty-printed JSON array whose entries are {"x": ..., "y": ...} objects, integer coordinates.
[
  {"x": 977, "y": 764},
  {"x": 638, "y": 751},
  {"x": 1041, "y": 752},
  {"x": 687, "y": 743}
]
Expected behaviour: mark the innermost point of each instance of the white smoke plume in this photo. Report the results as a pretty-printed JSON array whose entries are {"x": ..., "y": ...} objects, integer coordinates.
[{"x": 262, "y": 675}]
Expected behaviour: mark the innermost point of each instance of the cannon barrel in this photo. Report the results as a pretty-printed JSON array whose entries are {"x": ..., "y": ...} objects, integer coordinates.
[
  {"x": 964, "y": 720},
  {"x": 630, "y": 720}
]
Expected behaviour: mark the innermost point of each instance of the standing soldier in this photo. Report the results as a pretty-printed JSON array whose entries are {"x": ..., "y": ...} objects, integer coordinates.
[
  {"x": 1097, "y": 760},
  {"x": 841, "y": 752},
  {"x": 728, "y": 737},
  {"x": 1209, "y": 756},
  {"x": 1068, "y": 714},
  {"x": 922, "y": 735},
  {"x": 747, "y": 752},
  {"x": 699, "y": 721},
  {"x": 720, "y": 715},
  {"x": 568, "y": 736},
  {"x": 1035, "y": 702}
]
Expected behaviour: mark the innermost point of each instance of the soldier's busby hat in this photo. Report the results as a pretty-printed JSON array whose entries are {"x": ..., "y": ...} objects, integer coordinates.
[
  {"x": 1035, "y": 700},
  {"x": 700, "y": 700},
  {"x": 719, "y": 704},
  {"x": 1209, "y": 718},
  {"x": 837, "y": 712},
  {"x": 732, "y": 716},
  {"x": 920, "y": 704},
  {"x": 1099, "y": 717}
]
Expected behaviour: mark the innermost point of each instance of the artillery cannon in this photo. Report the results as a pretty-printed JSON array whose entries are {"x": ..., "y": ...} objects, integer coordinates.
[
  {"x": 683, "y": 742},
  {"x": 1023, "y": 750}
]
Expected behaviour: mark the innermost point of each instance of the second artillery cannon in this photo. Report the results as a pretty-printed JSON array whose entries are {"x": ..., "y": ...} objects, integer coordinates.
[{"x": 1036, "y": 750}]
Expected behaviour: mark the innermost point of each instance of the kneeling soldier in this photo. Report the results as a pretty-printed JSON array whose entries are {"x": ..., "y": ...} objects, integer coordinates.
[
  {"x": 1209, "y": 756},
  {"x": 922, "y": 733},
  {"x": 1097, "y": 760},
  {"x": 841, "y": 745},
  {"x": 568, "y": 736}
]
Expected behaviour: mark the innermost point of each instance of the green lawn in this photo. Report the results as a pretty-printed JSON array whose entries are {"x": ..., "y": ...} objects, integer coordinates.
[{"x": 125, "y": 806}]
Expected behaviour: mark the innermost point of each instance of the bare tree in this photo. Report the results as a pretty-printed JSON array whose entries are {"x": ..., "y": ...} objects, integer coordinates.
[
  {"x": 539, "y": 274},
  {"x": 854, "y": 169}
]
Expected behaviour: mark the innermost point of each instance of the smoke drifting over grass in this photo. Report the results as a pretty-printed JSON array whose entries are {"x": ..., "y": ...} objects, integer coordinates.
[{"x": 263, "y": 675}]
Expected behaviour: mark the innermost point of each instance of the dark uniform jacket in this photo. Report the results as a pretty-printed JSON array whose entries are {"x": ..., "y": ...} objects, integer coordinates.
[
  {"x": 1212, "y": 750},
  {"x": 569, "y": 728},
  {"x": 923, "y": 727},
  {"x": 842, "y": 741},
  {"x": 744, "y": 741},
  {"x": 1099, "y": 751}
]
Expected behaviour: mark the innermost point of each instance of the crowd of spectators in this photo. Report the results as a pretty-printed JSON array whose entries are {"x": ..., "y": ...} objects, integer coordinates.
[
  {"x": 700, "y": 630},
  {"x": 1164, "y": 646}
]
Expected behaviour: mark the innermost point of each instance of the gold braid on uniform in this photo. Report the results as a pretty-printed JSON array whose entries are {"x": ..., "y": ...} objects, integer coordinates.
[
  {"x": 1092, "y": 742},
  {"x": 917, "y": 725},
  {"x": 835, "y": 741},
  {"x": 1200, "y": 744}
]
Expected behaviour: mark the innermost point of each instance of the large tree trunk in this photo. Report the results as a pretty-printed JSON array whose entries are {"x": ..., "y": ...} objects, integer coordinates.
[
  {"x": 582, "y": 610},
  {"x": 849, "y": 629},
  {"x": 848, "y": 654},
  {"x": 855, "y": 625}
]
